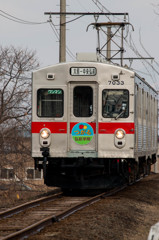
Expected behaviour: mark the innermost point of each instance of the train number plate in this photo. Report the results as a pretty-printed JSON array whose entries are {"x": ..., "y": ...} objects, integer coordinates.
[{"x": 83, "y": 71}]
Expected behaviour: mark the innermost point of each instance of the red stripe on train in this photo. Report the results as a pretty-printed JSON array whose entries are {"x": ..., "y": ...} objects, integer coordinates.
[
  {"x": 110, "y": 128},
  {"x": 103, "y": 128},
  {"x": 55, "y": 127}
]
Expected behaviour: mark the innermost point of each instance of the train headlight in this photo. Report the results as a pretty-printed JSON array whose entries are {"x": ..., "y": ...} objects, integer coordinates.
[
  {"x": 120, "y": 134},
  {"x": 45, "y": 133}
]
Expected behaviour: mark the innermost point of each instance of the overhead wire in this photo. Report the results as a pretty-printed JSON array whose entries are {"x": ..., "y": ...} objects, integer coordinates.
[
  {"x": 73, "y": 19},
  {"x": 53, "y": 27},
  {"x": 18, "y": 20},
  {"x": 75, "y": 5},
  {"x": 70, "y": 20},
  {"x": 142, "y": 72},
  {"x": 145, "y": 48},
  {"x": 101, "y": 7},
  {"x": 144, "y": 62},
  {"x": 21, "y": 21},
  {"x": 80, "y": 4},
  {"x": 132, "y": 47}
]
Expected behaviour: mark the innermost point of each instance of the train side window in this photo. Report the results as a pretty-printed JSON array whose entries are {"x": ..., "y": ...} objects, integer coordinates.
[
  {"x": 50, "y": 103},
  {"x": 83, "y": 101},
  {"x": 115, "y": 103}
]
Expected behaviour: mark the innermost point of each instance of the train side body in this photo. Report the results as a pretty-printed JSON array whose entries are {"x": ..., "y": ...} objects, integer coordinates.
[{"x": 96, "y": 114}]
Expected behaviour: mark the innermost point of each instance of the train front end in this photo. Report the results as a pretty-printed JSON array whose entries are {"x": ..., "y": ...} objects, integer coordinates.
[{"x": 82, "y": 123}]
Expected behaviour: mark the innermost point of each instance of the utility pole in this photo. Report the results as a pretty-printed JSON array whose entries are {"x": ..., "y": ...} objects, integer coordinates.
[
  {"x": 108, "y": 50},
  {"x": 122, "y": 45},
  {"x": 62, "y": 47}
]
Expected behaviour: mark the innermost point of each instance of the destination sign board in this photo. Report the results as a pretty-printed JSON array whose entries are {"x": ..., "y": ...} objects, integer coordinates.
[{"x": 83, "y": 71}]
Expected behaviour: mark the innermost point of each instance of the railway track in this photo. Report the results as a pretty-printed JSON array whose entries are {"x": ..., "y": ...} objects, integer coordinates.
[{"x": 26, "y": 219}]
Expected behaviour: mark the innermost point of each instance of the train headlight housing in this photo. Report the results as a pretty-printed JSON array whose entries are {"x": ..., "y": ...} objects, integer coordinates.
[
  {"x": 45, "y": 133},
  {"x": 120, "y": 134}
]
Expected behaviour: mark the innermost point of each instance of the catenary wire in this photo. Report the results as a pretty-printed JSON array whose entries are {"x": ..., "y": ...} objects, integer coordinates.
[
  {"x": 57, "y": 36},
  {"x": 101, "y": 7},
  {"x": 69, "y": 21},
  {"x": 21, "y": 21},
  {"x": 133, "y": 48},
  {"x": 79, "y": 2},
  {"x": 18, "y": 20},
  {"x": 144, "y": 62}
]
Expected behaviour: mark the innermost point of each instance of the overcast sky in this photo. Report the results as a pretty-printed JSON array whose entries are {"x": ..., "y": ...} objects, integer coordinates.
[{"x": 42, "y": 38}]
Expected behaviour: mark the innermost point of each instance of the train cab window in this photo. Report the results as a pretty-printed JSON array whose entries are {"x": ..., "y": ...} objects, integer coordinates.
[
  {"x": 83, "y": 101},
  {"x": 50, "y": 103},
  {"x": 115, "y": 103}
]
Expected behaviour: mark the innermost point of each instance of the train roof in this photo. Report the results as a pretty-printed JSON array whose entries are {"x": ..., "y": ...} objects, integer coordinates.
[{"x": 91, "y": 59}]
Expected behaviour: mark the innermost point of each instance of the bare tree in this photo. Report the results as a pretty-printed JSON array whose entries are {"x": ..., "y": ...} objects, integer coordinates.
[
  {"x": 15, "y": 81},
  {"x": 16, "y": 66}
]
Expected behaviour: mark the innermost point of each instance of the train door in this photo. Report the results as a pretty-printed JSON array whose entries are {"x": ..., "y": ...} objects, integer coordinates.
[{"x": 83, "y": 118}]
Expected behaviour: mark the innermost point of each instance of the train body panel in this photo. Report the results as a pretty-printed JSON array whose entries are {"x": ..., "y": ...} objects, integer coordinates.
[{"x": 95, "y": 113}]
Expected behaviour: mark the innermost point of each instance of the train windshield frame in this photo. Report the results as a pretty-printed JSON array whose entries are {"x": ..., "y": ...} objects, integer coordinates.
[
  {"x": 115, "y": 103},
  {"x": 50, "y": 102}
]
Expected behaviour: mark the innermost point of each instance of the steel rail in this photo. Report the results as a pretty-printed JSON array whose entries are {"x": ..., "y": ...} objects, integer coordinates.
[
  {"x": 86, "y": 203},
  {"x": 55, "y": 218},
  {"x": 22, "y": 207}
]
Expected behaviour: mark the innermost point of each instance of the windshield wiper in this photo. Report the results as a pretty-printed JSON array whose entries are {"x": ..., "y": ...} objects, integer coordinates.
[
  {"x": 119, "y": 114},
  {"x": 123, "y": 108}
]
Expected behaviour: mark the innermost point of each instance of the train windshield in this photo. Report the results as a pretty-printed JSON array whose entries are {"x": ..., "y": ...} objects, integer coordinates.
[
  {"x": 50, "y": 103},
  {"x": 83, "y": 101},
  {"x": 115, "y": 103}
]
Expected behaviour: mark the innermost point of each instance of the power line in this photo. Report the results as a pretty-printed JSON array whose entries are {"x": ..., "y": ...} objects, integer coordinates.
[
  {"x": 148, "y": 74},
  {"x": 101, "y": 7},
  {"x": 58, "y": 38},
  {"x": 18, "y": 20},
  {"x": 132, "y": 47},
  {"x": 145, "y": 48},
  {"x": 73, "y": 19},
  {"x": 79, "y": 2},
  {"x": 69, "y": 21},
  {"x": 21, "y": 21},
  {"x": 54, "y": 30}
]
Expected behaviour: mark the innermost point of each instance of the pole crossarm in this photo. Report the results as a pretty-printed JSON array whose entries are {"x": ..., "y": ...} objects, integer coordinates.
[
  {"x": 84, "y": 13},
  {"x": 144, "y": 58},
  {"x": 110, "y": 24}
]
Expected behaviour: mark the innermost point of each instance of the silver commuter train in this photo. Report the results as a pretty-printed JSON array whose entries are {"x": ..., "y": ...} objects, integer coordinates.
[{"x": 94, "y": 124}]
